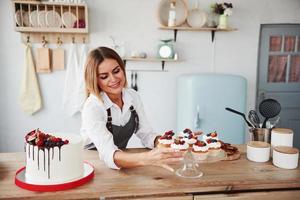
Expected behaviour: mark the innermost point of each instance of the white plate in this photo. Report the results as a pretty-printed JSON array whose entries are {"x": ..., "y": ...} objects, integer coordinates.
[
  {"x": 18, "y": 17},
  {"x": 42, "y": 18},
  {"x": 53, "y": 19},
  {"x": 163, "y": 12},
  {"x": 68, "y": 19},
  {"x": 33, "y": 18},
  {"x": 196, "y": 18}
]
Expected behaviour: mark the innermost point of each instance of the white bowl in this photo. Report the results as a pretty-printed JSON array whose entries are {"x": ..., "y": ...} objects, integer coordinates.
[{"x": 196, "y": 18}]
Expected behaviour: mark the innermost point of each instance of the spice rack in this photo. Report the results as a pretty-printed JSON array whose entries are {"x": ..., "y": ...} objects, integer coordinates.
[{"x": 51, "y": 21}]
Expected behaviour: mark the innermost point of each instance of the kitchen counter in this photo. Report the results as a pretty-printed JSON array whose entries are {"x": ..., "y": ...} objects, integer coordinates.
[{"x": 238, "y": 179}]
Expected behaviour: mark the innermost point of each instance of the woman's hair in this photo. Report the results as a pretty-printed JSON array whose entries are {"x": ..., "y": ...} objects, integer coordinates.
[{"x": 95, "y": 58}]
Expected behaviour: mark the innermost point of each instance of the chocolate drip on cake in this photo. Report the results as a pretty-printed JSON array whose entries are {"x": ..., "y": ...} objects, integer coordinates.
[
  {"x": 49, "y": 162},
  {"x": 52, "y": 153},
  {"x": 38, "y": 157},
  {"x": 59, "y": 153}
]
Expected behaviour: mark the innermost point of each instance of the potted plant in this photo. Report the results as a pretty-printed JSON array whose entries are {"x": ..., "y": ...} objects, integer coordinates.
[{"x": 223, "y": 10}]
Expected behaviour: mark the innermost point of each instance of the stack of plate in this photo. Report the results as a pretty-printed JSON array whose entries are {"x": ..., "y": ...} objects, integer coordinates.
[{"x": 44, "y": 18}]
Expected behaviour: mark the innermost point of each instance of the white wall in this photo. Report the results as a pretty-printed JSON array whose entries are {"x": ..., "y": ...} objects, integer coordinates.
[{"x": 135, "y": 23}]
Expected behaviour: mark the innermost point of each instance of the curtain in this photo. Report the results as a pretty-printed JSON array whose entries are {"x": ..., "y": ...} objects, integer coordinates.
[{"x": 277, "y": 68}]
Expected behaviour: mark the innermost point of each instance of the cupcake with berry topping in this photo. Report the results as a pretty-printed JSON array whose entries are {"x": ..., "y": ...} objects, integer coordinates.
[
  {"x": 180, "y": 145},
  {"x": 200, "y": 150},
  {"x": 214, "y": 146},
  {"x": 166, "y": 140},
  {"x": 212, "y": 135}
]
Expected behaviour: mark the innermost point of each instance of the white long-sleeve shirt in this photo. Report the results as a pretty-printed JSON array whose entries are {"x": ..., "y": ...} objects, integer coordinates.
[{"x": 94, "y": 119}]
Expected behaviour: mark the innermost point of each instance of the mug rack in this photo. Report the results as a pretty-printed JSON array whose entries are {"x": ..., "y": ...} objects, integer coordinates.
[{"x": 53, "y": 21}]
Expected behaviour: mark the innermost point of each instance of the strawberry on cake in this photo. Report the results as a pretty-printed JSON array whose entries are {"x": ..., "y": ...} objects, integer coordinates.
[
  {"x": 166, "y": 140},
  {"x": 214, "y": 146},
  {"x": 180, "y": 145},
  {"x": 212, "y": 135},
  {"x": 200, "y": 150}
]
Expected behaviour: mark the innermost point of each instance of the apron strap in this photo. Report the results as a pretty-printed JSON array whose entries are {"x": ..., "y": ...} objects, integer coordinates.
[{"x": 133, "y": 112}]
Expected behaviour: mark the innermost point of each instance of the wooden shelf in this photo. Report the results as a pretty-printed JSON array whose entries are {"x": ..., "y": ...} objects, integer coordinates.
[
  {"x": 50, "y": 30},
  {"x": 186, "y": 28},
  {"x": 162, "y": 60}
]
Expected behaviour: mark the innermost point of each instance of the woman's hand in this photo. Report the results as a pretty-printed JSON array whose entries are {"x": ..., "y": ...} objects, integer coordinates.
[{"x": 162, "y": 157}]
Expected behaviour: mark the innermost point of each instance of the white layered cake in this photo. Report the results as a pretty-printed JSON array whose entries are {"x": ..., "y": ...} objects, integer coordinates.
[{"x": 53, "y": 158}]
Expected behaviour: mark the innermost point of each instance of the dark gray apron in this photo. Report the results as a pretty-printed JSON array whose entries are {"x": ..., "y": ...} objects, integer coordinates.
[{"x": 121, "y": 134}]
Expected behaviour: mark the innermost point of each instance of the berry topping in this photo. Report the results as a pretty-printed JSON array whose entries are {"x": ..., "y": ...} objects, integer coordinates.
[
  {"x": 213, "y": 140},
  {"x": 179, "y": 142},
  {"x": 200, "y": 143},
  {"x": 169, "y": 133},
  {"x": 214, "y": 134},
  {"x": 42, "y": 140},
  {"x": 209, "y": 141},
  {"x": 187, "y": 130}
]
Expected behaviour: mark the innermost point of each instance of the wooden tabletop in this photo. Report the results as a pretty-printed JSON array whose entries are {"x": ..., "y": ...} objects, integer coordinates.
[{"x": 221, "y": 177}]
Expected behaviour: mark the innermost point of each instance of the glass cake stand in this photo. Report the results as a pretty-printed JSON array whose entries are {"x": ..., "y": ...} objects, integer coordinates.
[{"x": 189, "y": 168}]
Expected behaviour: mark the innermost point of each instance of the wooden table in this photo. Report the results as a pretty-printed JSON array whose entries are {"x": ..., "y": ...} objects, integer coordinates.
[{"x": 239, "y": 179}]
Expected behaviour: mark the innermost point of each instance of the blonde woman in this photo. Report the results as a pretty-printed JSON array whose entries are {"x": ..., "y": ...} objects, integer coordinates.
[{"x": 112, "y": 113}]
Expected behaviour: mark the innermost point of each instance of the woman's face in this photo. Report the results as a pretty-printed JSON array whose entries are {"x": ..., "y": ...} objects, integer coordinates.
[{"x": 111, "y": 79}]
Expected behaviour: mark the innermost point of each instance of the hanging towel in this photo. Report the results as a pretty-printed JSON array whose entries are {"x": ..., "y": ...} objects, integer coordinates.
[
  {"x": 81, "y": 84},
  {"x": 70, "y": 97},
  {"x": 30, "y": 97}
]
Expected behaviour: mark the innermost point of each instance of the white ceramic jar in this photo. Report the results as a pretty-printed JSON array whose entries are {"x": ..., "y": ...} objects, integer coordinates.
[
  {"x": 258, "y": 151},
  {"x": 282, "y": 137},
  {"x": 285, "y": 157}
]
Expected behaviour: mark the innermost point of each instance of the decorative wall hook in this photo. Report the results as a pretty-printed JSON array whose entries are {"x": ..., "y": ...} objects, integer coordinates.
[
  {"x": 59, "y": 41},
  {"x": 44, "y": 41}
]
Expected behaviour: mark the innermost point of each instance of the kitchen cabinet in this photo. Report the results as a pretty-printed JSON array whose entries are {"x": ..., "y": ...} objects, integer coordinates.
[{"x": 237, "y": 179}]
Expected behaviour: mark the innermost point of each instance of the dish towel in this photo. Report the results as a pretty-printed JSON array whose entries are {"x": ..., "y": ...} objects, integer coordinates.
[
  {"x": 81, "y": 84},
  {"x": 30, "y": 97},
  {"x": 70, "y": 97}
]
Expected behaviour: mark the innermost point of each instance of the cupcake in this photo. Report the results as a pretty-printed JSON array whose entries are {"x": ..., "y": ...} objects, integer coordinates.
[
  {"x": 166, "y": 140},
  {"x": 212, "y": 135},
  {"x": 180, "y": 145},
  {"x": 200, "y": 150},
  {"x": 214, "y": 146}
]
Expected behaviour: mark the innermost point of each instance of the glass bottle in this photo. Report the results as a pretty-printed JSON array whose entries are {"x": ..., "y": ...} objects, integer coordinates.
[{"x": 172, "y": 14}]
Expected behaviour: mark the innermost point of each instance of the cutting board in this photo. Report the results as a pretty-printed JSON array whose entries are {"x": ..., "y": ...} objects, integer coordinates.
[
  {"x": 43, "y": 60},
  {"x": 58, "y": 59}
]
